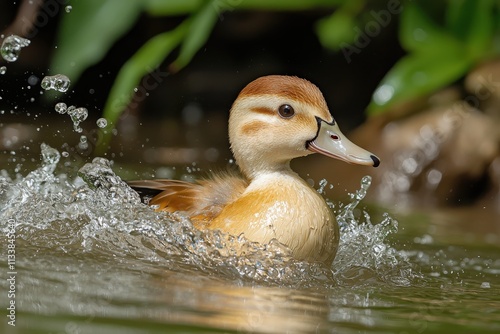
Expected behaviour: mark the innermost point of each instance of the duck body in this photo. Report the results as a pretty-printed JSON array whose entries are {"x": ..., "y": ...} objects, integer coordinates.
[
  {"x": 282, "y": 206},
  {"x": 273, "y": 120}
]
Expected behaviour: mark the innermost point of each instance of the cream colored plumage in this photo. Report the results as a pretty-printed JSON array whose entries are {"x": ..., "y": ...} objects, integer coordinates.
[{"x": 273, "y": 120}]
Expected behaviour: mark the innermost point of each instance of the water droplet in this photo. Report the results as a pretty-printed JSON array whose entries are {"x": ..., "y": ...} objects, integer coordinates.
[
  {"x": 50, "y": 155},
  {"x": 61, "y": 107},
  {"x": 322, "y": 184},
  {"x": 102, "y": 123},
  {"x": 77, "y": 115},
  {"x": 59, "y": 82},
  {"x": 68, "y": 9},
  {"x": 11, "y": 47},
  {"x": 485, "y": 285},
  {"x": 65, "y": 154},
  {"x": 83, "y": 145},
  {"x": 3, "y": 69},
  {"x": 33, "y": 80}
]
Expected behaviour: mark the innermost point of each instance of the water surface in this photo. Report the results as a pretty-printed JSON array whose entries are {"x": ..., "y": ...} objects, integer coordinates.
[{"x": 91, "y": 258}]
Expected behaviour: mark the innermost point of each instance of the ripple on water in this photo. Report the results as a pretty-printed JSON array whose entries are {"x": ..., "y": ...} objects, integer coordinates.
[{"x": 98, "y": 212}]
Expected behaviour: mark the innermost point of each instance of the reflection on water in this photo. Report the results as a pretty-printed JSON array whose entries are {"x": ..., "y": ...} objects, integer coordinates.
[{"x": 90, "y": 257}]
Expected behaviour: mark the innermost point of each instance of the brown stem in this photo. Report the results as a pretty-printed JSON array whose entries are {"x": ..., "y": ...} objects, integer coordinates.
[{"x": 25, "y": 18}]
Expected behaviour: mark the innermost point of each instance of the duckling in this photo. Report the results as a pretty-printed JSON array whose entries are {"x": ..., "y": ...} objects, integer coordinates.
[{"x": 274, "y": 119}]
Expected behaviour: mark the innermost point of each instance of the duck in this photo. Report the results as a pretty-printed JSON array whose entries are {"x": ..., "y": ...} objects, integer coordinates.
[{"x": 274, "y": 119}]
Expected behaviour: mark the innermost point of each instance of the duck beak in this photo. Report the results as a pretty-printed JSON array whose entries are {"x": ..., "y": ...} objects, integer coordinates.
[{"x": 331, "y": 142}]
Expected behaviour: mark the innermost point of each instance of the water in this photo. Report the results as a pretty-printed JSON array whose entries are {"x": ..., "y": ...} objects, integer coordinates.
[
  {"x": 77, "y": 115},
  {"x": 11, "y": 47},
  {"x": 91, "y": 258},
  {"x": 58, "y": 82},
  {"x": 102, "y": 123},
  {"x": 61, "y": 107}
]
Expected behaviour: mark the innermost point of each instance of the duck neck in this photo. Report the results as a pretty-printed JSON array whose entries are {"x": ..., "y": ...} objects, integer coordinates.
[{"x": 254, "y": 170}]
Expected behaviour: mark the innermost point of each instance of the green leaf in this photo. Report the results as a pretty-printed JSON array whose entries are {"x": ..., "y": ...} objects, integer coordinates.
[
  {"x": 339, "y": 28},
  {"x": 199, "y": 30},
  {"x": 416, "y": 75},
  {"x": 282, "y": 4},
  {"x": 336, "y": 30},
  {"x": 496, "y": 34},
  {"x": 145, "y": 60},
  {"x": 419, "y": 33},
  {"x": 88, "y": 32},
  {"x": 472, "y": 22},
  {"x": 172, "y": 7},
  {"x": 179, "y": 7}
]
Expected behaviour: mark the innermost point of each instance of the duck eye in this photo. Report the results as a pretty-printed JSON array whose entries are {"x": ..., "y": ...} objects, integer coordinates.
[{"x": 286, "y": 111}]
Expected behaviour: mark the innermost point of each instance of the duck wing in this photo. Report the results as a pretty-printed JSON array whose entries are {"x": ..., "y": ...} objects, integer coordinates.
[
  {"x": 168, "y": 195},
  {"x": 202, "y": 201}
]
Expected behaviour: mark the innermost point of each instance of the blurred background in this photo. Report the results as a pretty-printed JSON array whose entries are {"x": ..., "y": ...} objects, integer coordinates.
[{"x": 417, "y": 83}]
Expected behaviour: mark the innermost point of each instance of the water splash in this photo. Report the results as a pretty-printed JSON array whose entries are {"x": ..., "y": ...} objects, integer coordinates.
[
  {"x": 58, "y": 82},
  {"x": 322, "y": 185},
  {"x": 3, "y": 70},
  {"x": 364, "y": 253},
  {"x": 172, "y": 235},
  {"x": 97, "y": 212},
  {"x": 50, "y": 157},
  {"x": 11, "y": 47},
  {"x": 77, "y": 115}
]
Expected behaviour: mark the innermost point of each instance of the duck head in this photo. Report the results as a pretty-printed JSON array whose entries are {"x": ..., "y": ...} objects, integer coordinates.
[{"x": 277, "y": 118}]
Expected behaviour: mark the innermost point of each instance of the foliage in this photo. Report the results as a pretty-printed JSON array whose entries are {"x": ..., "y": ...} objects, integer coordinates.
[
  {"x": 94, "y": 25},
  {"x": 438, "y": 52}
]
